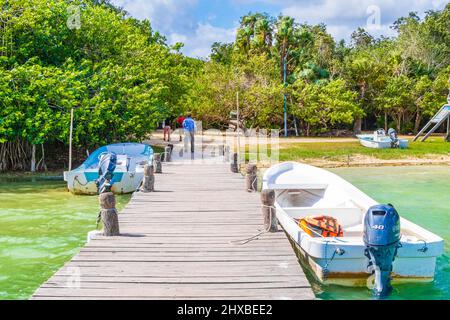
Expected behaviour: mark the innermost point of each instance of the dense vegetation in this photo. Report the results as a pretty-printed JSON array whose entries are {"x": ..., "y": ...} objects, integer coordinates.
[
  {"x": 389, "y": 82},
  {"x": 121, "y": 77}
]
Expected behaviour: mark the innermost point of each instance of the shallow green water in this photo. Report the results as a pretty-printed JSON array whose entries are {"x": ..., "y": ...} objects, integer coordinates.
[
  {"x": 41, "y": 227},
  {"x": 421, "y": 195}
]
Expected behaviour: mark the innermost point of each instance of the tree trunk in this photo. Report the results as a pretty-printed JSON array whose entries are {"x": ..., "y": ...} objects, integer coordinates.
[
  {"x": 33, "y": 158},
  {"x": 385, "y": 121},
  {"x": 417, "y": 122},
  {"x": 357, "y": 126},
  {"x": 399, "y": 124}
]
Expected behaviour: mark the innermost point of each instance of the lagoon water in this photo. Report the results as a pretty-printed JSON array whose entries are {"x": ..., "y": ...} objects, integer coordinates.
[
  {"x": 42, "y": 226},
  {"x": 420, "y": 194}
]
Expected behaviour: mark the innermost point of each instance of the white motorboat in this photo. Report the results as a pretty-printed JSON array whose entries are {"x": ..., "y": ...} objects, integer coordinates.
[
  {"x": 304, "y": 191},
  {"x": 130, "y": 159},
  {"x": 379, "y": 140}
]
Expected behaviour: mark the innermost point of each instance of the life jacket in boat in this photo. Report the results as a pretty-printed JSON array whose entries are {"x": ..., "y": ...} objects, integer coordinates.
[{"x": 324, "y": 226}]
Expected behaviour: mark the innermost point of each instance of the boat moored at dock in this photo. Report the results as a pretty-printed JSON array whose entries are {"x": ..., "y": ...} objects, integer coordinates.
[
  {"x": 337, "y": 228},
  {"x": 130, "y": 160}
]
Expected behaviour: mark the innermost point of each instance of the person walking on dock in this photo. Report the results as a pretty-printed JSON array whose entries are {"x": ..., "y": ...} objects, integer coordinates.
[
  {"x": 189, "y": 133},
  {"x": 179, "y": 125}
]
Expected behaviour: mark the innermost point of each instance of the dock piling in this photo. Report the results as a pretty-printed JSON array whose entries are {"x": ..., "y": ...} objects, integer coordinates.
[
  {"x": 251, "y": 178},
  {"x": 148, "y": 184},
  {"x": 269, "y": 211},
  {"x": 157, "y": 163},
  {"x": 108, "y": 213},
  {"x": 167, "y": 154},
  {"x": 234, "y": 164},
  {"x": 226, "y": 153}
]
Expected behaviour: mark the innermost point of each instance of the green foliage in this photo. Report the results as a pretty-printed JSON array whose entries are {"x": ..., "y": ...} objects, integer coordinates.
[
  {"x": 118, "y": 74},
  {"x": 398, "y": 81},
  {"x": 122, "y": 78},
  {"x": 325, "y": 105}
]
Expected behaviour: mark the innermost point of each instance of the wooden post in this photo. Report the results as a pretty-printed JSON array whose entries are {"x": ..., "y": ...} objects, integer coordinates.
[
  {"x": 148, "y": 184},
  {"x": 109, "y": 215},
  {"x": 269, "y": 211},
  {"x": 157, "y": 162},
  {"x": 167, "y": 154},
  {"x": 226, "y": 154},
  {"x": 234, "y": 164},
  {"x": 251, "y": 178}
]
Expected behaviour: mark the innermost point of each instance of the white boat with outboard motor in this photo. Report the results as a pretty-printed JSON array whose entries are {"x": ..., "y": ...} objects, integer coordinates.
[
  {"x": 379, "y": 140},
  {"x": 343, "y": 235},
  {"x": 119, "y": 167}
]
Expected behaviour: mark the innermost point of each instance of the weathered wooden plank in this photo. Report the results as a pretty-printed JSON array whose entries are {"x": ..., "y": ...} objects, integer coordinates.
[{"x": 177, "y": 243}]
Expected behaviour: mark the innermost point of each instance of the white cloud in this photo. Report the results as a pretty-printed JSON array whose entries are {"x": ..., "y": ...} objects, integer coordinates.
[
  {"x": 199, "y": 43},
  {"x": 164, "y": 15},
  {"x": 179, "y": 19},
  {"x": 344, "y": 16}
]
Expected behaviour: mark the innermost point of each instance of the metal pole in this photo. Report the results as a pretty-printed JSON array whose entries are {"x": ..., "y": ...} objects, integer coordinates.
[
  {"x": 285, "y": 97},
  {"x": 238, "y": 127},
  {"x": 70, "y": 139},
  {"x": 448, "y": 129}
]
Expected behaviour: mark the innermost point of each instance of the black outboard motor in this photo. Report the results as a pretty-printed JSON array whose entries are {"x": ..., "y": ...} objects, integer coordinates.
[
  {"x": 382, "y": 239},
  {"x": 395, "y": 142},
  {"x": 106, "y": 169}
]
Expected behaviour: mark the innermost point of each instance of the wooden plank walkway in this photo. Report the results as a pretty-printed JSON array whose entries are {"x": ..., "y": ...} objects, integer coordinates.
[{"x": 176, "y": 245}]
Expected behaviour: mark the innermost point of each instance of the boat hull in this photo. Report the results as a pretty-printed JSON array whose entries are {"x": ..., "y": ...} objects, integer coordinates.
[
  {"x": 411, "y": 264},
  {"x": 360, "y": 278},
  {"x": 128, "y": 173},
  {"x": 83, "y": 183},
  {"x": 367, "y": 141}
]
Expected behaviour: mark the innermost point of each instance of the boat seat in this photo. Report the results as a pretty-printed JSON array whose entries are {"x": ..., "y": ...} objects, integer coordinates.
[
  {"x": 297, "y": 186},
  {"x": 347, "y": 217}
]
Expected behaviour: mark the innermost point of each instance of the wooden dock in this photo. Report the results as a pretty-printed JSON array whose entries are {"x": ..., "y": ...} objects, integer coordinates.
[{"x": 176, "y": 243}]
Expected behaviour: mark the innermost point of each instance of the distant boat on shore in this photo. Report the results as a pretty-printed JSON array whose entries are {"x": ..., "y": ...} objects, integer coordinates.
[
  {"x": 128, "y": 173},
  {"x": 379, "y": 140}
]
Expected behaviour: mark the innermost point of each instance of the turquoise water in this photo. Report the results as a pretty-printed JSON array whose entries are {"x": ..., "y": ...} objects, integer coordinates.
[
  {"x": 41, "y": 227},
  {"x": 421, "y": 195}
]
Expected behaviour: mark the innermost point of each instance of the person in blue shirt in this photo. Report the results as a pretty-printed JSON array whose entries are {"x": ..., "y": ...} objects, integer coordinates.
[{"x": 189, "y": 132}]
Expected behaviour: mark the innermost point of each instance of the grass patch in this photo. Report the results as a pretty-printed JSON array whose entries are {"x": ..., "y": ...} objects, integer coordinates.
[
  {"x": 338, "y": 150},
  {"x": 158, "y": 149}
]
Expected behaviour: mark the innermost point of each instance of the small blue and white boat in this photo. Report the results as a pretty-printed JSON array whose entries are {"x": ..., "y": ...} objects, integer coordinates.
[
  {"x": 379, "y": 140},
  {"x": 128, "y": 172}
]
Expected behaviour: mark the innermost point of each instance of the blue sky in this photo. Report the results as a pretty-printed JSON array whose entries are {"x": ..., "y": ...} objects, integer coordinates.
[{"x": 198, "y": 23}]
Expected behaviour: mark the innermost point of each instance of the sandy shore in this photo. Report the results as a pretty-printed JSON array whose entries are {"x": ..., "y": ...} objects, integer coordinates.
[{"x": 351, "y": 161}]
